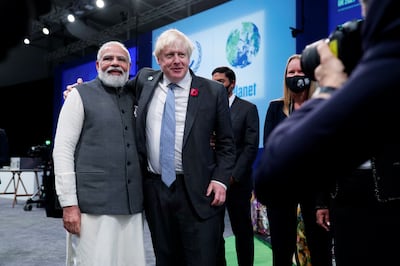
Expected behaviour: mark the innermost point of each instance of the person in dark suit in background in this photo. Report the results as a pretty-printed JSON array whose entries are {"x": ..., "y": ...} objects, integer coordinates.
[
  {"x": 282, "y": 208},
  {"x": 184, "y": 218},
  {"x": 4, "y": 149},
  {"x": 352, "y": 119},
  {"x": 245, "y": 123}
]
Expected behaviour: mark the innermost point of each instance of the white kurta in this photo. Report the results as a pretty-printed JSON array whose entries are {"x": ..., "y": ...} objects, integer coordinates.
[
  {"x": 120, "y": 242},
  {"x": 105, "y": 240}
]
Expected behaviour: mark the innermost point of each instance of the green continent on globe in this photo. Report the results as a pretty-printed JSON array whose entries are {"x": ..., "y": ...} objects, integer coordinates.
[{"x": 243, "y": 45}]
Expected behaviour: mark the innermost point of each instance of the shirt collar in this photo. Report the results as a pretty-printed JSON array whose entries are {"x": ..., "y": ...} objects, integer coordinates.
[
  {"x": 184, "y": 83},
  {"x": 231, "y": 99}
]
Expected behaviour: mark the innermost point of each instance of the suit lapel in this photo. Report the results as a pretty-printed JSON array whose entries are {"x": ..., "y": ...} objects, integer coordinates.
[
  {"x": 193, "y": 105},
  {"x": 149, "y": 85},
  {"x": 234, "y": 110}
]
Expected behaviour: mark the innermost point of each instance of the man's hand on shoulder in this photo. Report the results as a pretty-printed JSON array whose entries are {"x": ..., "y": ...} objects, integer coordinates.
[{"x": 71, "y": 86}]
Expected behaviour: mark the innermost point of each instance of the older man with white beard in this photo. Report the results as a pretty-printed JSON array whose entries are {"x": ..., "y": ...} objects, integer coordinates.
[{"x": 97, "y": 172}]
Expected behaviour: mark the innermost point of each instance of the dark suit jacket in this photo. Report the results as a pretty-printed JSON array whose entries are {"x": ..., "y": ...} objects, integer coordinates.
[
  {"x": 273, "y": 117},
  {"x": 207, "y": 112},
  {"x": 4, "y": 156},
  {"x": 246, "y": 131},
  {"x": 358, "y": 122}
]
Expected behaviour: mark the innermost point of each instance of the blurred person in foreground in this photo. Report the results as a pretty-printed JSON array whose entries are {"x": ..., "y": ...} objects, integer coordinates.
[
  {"x": 282, "y": 209},
  {"x": 351, "y": 120},
  {"x": 184, "y": 216},
  {"x": 245, "y": 123},
  {"x": 97, "y": 171}
]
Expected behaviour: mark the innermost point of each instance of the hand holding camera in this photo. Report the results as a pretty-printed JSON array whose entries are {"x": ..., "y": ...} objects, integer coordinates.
[
  {"x": 344, "y": 43},
  {"x": 330, "y": 72}
]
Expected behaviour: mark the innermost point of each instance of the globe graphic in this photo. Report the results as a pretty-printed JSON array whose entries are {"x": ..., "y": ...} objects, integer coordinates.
[{"x": 243, "y": 45}]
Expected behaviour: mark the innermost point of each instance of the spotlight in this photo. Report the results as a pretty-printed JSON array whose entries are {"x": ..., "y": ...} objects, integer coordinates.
[
  {"x": 71, "y": 18},
  {"x": 46, "y": 31},
  {"x": 100, "y": 3},
  {"x": 27, "y": 41}
]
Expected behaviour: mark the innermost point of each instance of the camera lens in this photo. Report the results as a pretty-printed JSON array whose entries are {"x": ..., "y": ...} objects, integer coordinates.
[
  {"x": 309, "y": 60},
  {"x": 344, "y": 42}
]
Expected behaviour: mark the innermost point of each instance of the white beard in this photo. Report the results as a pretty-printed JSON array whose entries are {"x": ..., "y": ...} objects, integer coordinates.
[{"x": 111, "y": 80}]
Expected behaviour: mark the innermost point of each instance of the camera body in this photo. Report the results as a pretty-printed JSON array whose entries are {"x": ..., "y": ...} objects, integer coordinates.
[{"x": 344, "y": 42}]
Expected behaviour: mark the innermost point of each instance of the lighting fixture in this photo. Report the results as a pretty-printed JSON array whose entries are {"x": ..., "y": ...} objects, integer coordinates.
[
  {"x": 45, "y": 30},
  {"x": 100, "y": 3},
  {"x": 71, "y": 18}
]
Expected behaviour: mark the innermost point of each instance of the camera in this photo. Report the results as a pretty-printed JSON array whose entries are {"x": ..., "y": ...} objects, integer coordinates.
[
  {"x": 42, "y": 153},
  {"x": 344, "y": 42}
]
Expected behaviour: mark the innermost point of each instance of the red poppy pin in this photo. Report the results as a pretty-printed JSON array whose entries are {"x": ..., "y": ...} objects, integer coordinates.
[{"x": 194, "y": 92}]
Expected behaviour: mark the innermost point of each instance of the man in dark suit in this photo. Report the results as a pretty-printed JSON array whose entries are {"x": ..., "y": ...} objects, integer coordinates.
[
  {"x": 184, "y": 218},
  {"x": 245, "y": 123},
  {"x": 4, "y": 155},
  {"x": 351, "y": 120}
]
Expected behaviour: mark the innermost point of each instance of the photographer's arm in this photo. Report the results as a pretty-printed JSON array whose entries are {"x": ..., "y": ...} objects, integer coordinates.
[{"x": 340, "y": 133}]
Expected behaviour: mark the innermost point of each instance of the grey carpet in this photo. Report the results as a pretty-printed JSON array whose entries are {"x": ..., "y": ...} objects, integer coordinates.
[{"x": 30, "y": 238}]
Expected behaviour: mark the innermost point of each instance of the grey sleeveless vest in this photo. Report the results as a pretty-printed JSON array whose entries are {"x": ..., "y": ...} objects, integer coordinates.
[{"x": 109, "y": 180}]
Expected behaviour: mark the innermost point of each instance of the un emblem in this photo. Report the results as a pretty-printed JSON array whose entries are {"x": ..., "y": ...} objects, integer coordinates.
[{"x": 195, "y": 59}]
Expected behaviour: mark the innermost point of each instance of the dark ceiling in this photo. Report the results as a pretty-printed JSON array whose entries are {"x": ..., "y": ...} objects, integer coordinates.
[{"x": 119, "y": 19}]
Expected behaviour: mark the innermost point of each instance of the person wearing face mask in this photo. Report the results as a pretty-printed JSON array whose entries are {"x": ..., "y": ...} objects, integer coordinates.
[
  {"x": 283, "y": 212},
  {"x": 245, "y": 124}
]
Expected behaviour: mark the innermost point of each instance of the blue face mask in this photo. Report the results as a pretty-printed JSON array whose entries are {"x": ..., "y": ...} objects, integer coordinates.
[{"x": 298, "y": 83}]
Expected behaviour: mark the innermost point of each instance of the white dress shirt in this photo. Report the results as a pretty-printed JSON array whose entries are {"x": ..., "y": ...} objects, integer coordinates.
[
  {"x": 231, "y": 99},
  {"x": 154, "y": 117}
]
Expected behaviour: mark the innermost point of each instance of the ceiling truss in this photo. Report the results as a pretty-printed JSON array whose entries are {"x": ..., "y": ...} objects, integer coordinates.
[{"x": 135, "y": 22}]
